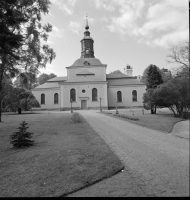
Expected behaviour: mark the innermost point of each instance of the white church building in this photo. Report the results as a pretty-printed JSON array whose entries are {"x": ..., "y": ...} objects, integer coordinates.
[{"x": 87, "y": 86}]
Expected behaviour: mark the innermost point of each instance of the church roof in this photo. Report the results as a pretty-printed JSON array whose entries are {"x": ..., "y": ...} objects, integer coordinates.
[
  {"x": 47, "y": 85},
  {"x": 58, "y": 79},
  {"x": 92, "y": 61},
  {"x": 108, "y": 76},
  {"x": 124, "y": 81},
  {"x": 84, "y": 79}
]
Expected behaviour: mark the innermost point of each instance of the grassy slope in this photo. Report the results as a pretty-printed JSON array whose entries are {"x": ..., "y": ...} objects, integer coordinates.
[
  {"x": 64, "y": 158},
  {"x": 163, "y": 120}
]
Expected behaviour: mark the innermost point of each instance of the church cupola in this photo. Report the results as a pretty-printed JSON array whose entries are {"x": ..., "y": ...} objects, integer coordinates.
[{"x": 87, "y": 44}]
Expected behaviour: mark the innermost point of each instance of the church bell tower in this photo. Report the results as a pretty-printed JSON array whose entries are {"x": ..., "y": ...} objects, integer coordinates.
[{"x": 87, "y": 44}]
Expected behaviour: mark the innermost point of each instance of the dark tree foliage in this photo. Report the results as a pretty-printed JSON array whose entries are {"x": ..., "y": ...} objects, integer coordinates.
[
  {"x": 27, "y": 80},
  {"x": 44, "y": 77},
  {"x": 14, "y": 98},
  {"x": 20, "y": 98},
  {"x": 174, "y": 95},
  {"x": 152, "y": 77},
  {"x": 10, "y": 20},
  {"x": 22, "y": 138},
  {"x": 116, "y": 72},
  {"x": 21, "y": 35}
]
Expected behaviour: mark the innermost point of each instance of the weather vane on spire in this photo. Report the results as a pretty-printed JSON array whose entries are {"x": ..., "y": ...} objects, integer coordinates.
[{"x": 86, "y": 27}]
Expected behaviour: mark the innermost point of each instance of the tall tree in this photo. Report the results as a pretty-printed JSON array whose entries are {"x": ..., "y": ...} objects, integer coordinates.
[
  {"x": 29, "y": 53},
  {"x": 152, "y": 77},
  {"x": 10, "y": 39},
  {"x": 10, "y": 20},
  {"x": 174, "y": 94}
]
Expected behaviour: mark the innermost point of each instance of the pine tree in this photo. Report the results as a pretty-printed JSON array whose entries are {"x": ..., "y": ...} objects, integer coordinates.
[
  {"x": 22, "y": 137},
  {"x": 152, "y": 77}
]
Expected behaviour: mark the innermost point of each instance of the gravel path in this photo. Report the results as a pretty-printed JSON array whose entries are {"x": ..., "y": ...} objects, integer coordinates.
[{"x": 156, "y": 163}]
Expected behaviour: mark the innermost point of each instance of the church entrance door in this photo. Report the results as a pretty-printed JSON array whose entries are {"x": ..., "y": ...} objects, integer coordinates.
[{"x": 83, "y": 104}]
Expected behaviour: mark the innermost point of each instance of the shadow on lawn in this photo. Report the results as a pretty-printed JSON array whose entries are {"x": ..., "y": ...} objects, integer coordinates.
[
  {"x": 66, "y": 157},
  {"x": 23, "y": 113}
]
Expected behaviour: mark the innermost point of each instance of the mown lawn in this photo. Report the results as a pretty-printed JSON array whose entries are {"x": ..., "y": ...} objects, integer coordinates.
[
  {"x": 163, "y": 120},
  {"x": 66, "y": 157}
]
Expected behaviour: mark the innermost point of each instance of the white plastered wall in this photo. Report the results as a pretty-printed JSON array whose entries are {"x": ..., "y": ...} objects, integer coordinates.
[
  {"x": 102, "y": 92},
  {"x": 126, "y": 96},
  {"x": 49, "y": 98}
]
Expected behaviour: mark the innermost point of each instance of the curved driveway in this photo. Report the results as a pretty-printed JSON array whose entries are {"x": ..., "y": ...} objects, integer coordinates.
[{"x": 156, "y": 163}]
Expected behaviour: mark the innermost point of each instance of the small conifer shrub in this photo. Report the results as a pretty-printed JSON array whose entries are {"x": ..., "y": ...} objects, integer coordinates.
[{"x": 22, "y": 138}]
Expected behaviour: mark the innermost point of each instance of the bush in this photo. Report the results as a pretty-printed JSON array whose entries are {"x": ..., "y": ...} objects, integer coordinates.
[
  {"x": 22, "y": 137},
  {"x": 76, "y": 118},
  {"x": 186, "y": 115}
]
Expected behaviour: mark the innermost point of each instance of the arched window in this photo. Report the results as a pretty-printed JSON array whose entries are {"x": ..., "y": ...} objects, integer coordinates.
[
  {"x": 134, "y": 94},
  {"x": 42, "y": 98},
  {"x": 94, "y": 94},
  {"x": 119, "y": 96},
  {"x": 73, "y": 94},
  {"x": 56, "y": 98}
]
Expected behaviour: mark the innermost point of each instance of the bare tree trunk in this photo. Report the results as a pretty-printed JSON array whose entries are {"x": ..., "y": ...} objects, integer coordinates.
[
  {"x": 0, "y": 109},
  {"x": 1, "y": 88},
  {"x": 153, "y": 109}
]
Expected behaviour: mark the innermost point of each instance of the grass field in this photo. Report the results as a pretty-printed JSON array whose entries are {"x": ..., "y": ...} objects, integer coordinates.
[
  {"x": 163, "y": 120},
  {"x": 65, "y": 157}
]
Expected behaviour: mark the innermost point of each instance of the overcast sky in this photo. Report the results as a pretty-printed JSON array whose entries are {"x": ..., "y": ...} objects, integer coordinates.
[{"x": 134, "y": 32}]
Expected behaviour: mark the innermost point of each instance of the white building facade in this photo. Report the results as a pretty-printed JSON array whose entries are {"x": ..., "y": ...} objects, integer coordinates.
[{"x": 88, "y": 87}]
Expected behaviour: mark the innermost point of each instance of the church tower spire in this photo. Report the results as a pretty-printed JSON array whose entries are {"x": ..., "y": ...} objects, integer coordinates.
[
  {"x": 87, "y": 43},
  {"x": 86, "y": 27}
]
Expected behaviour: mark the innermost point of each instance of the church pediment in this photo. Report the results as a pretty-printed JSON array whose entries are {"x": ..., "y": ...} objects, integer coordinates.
[{"x": 85, "y": 72}]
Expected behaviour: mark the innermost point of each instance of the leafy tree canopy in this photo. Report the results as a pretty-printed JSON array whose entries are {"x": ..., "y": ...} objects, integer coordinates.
[
  {"x": 152, "y": 76},
  {"x": 15, "y": 98},
  {"x": 174, "y": 94},
  {"x": 23, "y": 47},
  {"x": 44, "y": 77}
]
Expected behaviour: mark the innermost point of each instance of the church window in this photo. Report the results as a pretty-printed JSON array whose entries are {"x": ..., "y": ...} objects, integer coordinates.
[
  {"x": 134, "y": 94},
  {"x": 56, "y": 98},
  {"x": 119, "y": 96},
  {"x": 42, "y": 98},
  {"x": 94, "y": 94},
  {"x": 73, "y": 94},
  {"x": 83, "y": 91}
]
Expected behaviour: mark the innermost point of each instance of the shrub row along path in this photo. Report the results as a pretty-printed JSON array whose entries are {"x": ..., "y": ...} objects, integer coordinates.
[{"x": 156, "y": 163}]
